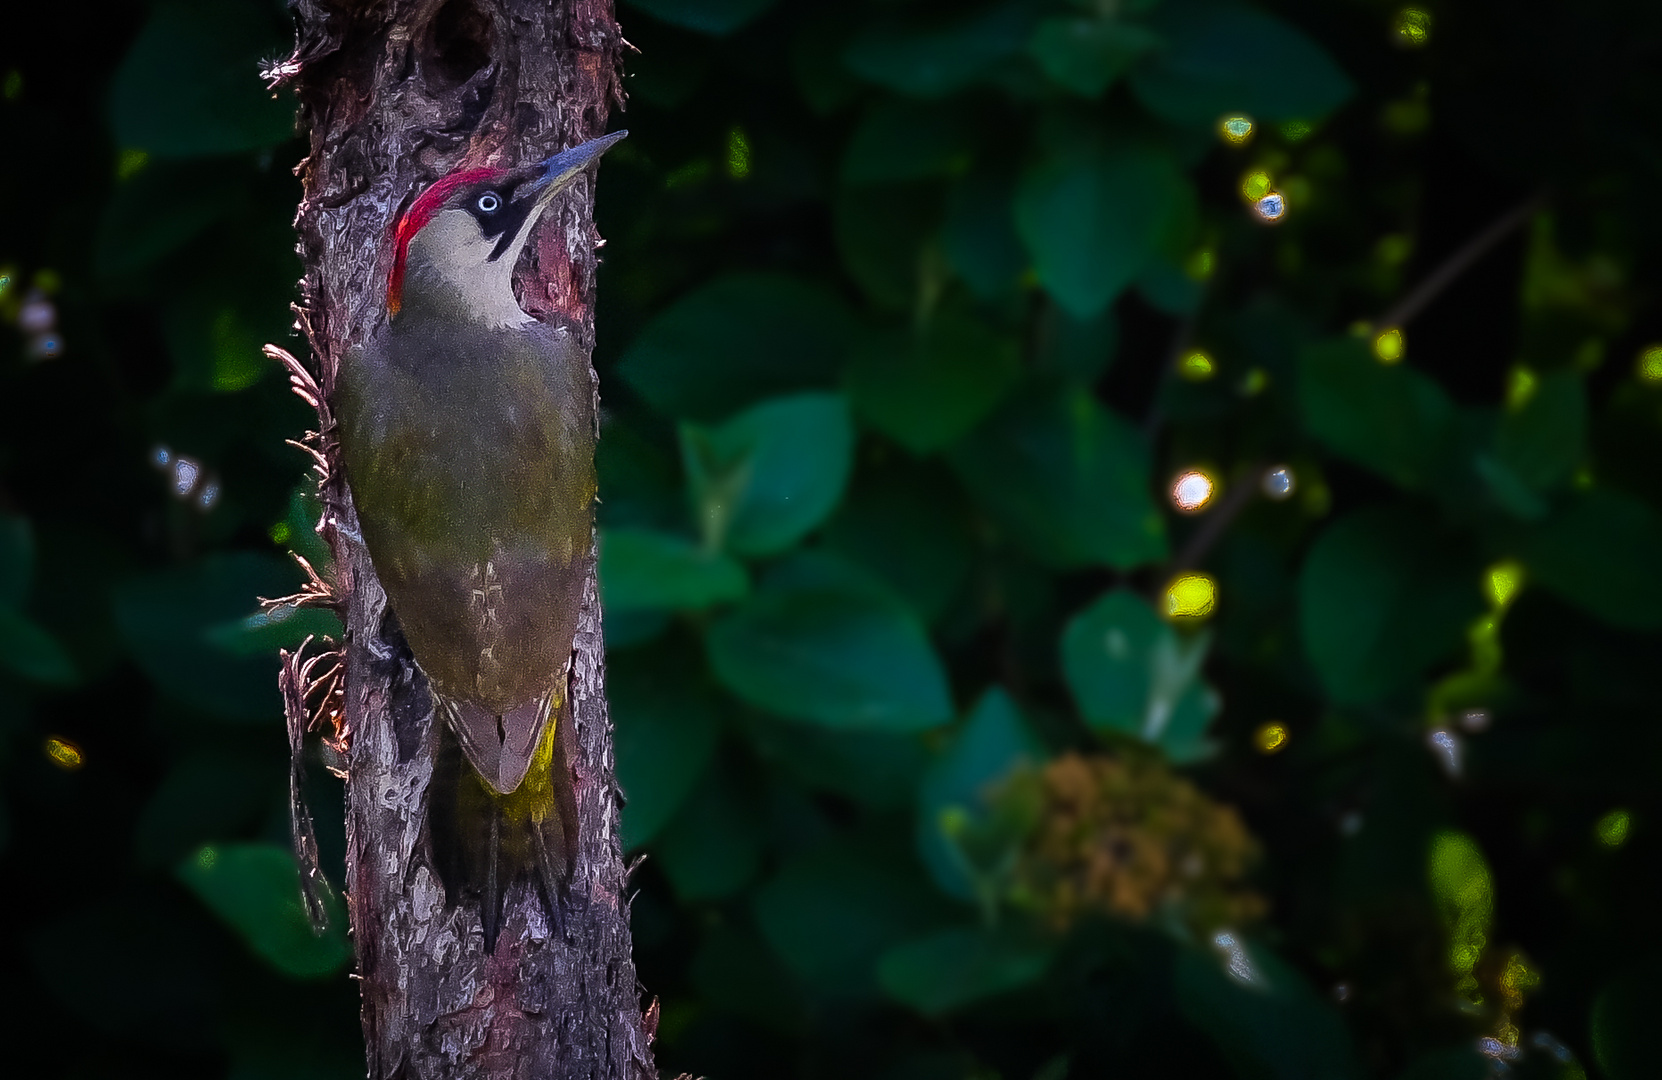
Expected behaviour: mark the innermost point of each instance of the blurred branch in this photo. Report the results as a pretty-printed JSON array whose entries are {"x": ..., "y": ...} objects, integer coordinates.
[
  {"x": 1458, "y": 263},
  {"x": 1213, "y": 525}
]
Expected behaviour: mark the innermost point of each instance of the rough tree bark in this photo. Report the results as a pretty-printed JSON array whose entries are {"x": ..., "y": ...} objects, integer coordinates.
[{"x": 396, "y": 93}]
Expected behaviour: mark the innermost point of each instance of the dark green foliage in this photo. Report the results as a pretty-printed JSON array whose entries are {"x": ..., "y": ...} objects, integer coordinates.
[{"x": 891, "y": 315}]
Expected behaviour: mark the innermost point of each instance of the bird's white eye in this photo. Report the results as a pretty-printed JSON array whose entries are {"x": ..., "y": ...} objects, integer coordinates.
[{"x": 489, "y": 203}]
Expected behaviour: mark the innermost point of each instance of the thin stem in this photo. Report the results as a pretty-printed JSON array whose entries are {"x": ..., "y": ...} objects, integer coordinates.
[
  {"x": 1458, "y": 263},
  {"x": 1212, "y": 527}
]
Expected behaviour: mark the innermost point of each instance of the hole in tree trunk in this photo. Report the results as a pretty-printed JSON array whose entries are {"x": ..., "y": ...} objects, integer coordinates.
[{"x": 458, "y": 44}]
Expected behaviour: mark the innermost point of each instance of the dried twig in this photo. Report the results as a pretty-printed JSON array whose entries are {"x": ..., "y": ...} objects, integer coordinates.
[{"x": 1458, "y": 263}]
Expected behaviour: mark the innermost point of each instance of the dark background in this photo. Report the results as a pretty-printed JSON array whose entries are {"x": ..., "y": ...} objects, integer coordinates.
[{"x": 892, "y": 311}]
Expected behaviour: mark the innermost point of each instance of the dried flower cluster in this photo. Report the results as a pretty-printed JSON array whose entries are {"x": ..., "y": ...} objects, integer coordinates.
[{"x": 1127, "y": 838}]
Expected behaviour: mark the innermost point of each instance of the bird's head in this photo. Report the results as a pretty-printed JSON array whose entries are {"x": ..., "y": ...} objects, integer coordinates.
[{"x": 459, "y": 240}]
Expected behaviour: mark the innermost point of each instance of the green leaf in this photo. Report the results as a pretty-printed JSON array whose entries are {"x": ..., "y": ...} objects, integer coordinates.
[
  {"x": 735, "y": 970},
  {"x": 992, "y": 742},
  {"x": 206, "y": 796},
  {"x": 1068, "y": 479},
  {"x": 1224, "y": 58},
  {"x": 944, "y": 971},
  {"x": 642, "y": 569},
  {"x": 717, "y": 18},
  {"x": 908, "y": 525},
  {"x": 927, "y": 387},
  {"x": 1093, "y": 215},
  {"x": 884, "y": 235},
  {"x": 874, "y": 769},
  {"x": 900, "y": 141},
  {"x": 764, "y": 479},
  {"x": 163, "y": 208},
  {"x": 1075, "y": 349},
  {"x": 833, "y": 911},
  {"x": 283, "y": 627},
  {"x": 712, "y": 847},
  {"x": 831, "y": 652},
  {"x": 934, "y": 61},
  {"x": 979, "y": 236},
  {"x": 165, "y": 619},
  {"x": 17, "y": 559},
  {"x": 1087, "y": 54},
  {"x": 214, "y": 343},
  {"x": 1599, "y": 551},
  {"x": 29, "y": 651},
  {"x": 1383, "y": 595},
  {"x": 1131, "y": 672},
  {"x": 1258, "y": 1010},
  {"x": 255, "y": 889},
  {"x": 736, "y": 340},
  {"x": 190, "y": 84},
  {"x": 1391, "y": 419},
  {"x": 1543, "y": 441},
  {"x": 667, "y": 717}
]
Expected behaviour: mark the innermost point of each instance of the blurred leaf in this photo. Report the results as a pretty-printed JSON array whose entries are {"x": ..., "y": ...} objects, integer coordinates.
[
  {"x": 255, "y": 889},
  {"x": 666, "y": 718},
  {"x": 979, "y": 236},
  {"x": 1066, "y": 478},
  {"x": 165, "y": 618},
  {"x": 162, "y": 209},
  {"x": 910, "y": 527},
  {"x": 884, "y": 235},
  {"x": 934, "y": 61},
  {"x": 715, "y": 17},
  {"x": 712, "y": 847},
  {"x": 1131, "y": 672},
  {"x": 1079, "y": 350},
  {"x": 735, "y": 970},
  {"x": 207, "y": 796},
  {"x": 31, "y": 652},
  {"x": 1087, "y": 54},
  {"x": 900, "y": 141},
  {"x": 1621, "y": 1022},
  {"x": 1168, "y": 288},
  {"x": 17, "y": 560},
  {"x": 1225, "y": 58},
  {"x": 644, "y": 569},
  {"x": 190, "y": 85},
  {"x": 1272, "y": 1021},
  {"x": 990, "y": 744},
  {"x": 1542, "y": 442},
  {"x": 926, "y": 388},
  {"x": 1455, "y": 1063},
  {"x": 874, "y": 769},
  {"x": 736, "y": 340},
  {"x": 831, "y": 913},
  {"x": 1093, "y": 215},
  {"x": 1384, "y": 594},
  {"x": 1602, "y": 552},
  {"x": 283, "y": 627},
  {"x": 640, "y": 479},
  {"x": 831, "y": 653},
  {"x": 765, "y": 478},
  {"x": 1393, "y": 420},
  {"x": 214, "y": 343},
  {"x": 951, "y": 968}
]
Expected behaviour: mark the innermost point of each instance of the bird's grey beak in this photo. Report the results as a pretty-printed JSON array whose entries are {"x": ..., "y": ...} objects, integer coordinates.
[{"x": 550, "y": 176}]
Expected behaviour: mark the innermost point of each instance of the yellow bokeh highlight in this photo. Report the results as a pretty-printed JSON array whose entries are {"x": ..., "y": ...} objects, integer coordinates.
[
  {"x": 738, "y": 154},
  {"x": 1413, "y": 27},
  {"x": 1649, "y": 365},
  {"x": 1521, "y": 384},
  {"x": 1502, "y": 582},
  {"x": 1389, "y": 346},
  {"x": 1255, "y": 185},
  {"x": 1191, "y": 595},
  {"x": 1271, "y": 737},
  {"x": 130, "y": 162},
  {"x": 1294, "y": 130},
  {"x": 1196, "y": 366},
  {"x": 1254, "y": 382},
  {"x": 1200, "y": 265},
  {"x": 1612, "y": 828},
  {"x": 1464, "y": 892},
  {"x": 206, "y": 857},
  {"x": 281, "y": 532},
  {"x": 1236, "y": 129},
  {"x": 64, "y": 754}
]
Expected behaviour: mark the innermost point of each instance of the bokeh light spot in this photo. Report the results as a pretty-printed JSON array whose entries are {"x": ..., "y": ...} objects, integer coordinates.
[
  {"x": 1191, "y": 595},
  {"x": 1196, "y": 366},
  {"x": 1503, "y": 581},
  {"x": 1191, "y": 491},
  {"x": 1521, "y": 383},
  {"x": 1200, "y": 265},
  {"x": 738, "y": 154},
  {"x": 1255, "y": 185},
  {"x": 1612, "y": 828},
  {"x": 1413, "y": 28},
  {"x": 130, "y": 162},
  {"x": 64, "y": 754},
  {"x": 1294, "y": 130},
  {"x": 1271, "y": 737},
  {"x": 206, "y": 857},
  {"x": 1388, "y": 346},
  {"x": 1254, "y": 382},
  {"x": 1649, "y": 367},
  {"x": 1236, "y": 129},
  {"x": 1279, "y": 482},
  {"x": 281, "y": 532},
  {"x": 1272, "y": 207}
]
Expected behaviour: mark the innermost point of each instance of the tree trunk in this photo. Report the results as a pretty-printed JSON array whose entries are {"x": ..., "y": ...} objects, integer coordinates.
[{"x": 396, "y": 94}]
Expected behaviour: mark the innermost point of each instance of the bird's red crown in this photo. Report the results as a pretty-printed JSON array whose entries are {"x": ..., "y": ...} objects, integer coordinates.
[{"x": 427, "y": 204}]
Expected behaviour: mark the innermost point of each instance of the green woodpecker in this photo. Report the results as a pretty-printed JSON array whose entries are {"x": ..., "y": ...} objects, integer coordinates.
[{"x": 467, "y": 432}]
